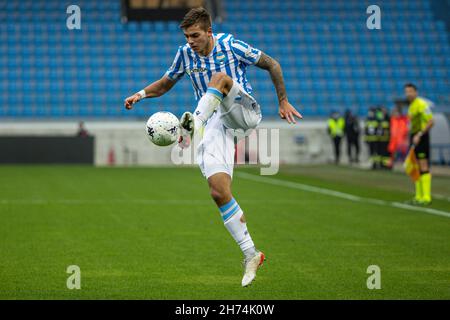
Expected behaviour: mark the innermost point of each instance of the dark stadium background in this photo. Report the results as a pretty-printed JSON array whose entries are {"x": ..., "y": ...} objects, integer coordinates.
[{"x": 329, "y": 57}]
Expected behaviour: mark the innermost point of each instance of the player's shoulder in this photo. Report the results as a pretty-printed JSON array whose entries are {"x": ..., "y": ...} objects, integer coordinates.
[
  {"x": 224, "y": 38},
  {"x": 185, "y": 52},
  {"x": 184, "y": 47},
  {"x": 425, "y": 106},
  {"x": 420, "y": 103},
  {"x": 235, "y": 43}
]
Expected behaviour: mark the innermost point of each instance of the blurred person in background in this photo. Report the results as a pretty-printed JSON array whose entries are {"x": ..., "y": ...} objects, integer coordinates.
[
  {"x": 370, "y": 137},
  {"x": 383, "y": 136},
  {"x": 82, "y": 132},
  {"x": 336, "y": 125},
  {"x": 398, "y": 143},
  {"x": 421, "y": 122},
  {"x": 352, "y": 131}
]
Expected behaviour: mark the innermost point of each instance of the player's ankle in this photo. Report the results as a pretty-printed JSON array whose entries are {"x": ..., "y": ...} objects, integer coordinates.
[{"x": 249, "y": 252}]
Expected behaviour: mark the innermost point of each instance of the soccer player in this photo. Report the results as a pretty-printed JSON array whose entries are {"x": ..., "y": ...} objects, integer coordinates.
[
  {"x": 421, "y": 122},
  {"x": 216, "y": 65}
]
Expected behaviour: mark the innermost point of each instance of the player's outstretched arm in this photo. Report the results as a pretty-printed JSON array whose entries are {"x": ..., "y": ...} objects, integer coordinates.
[
  {"x": 155, "y": 89},
  {"x": 285, "y": 110}
]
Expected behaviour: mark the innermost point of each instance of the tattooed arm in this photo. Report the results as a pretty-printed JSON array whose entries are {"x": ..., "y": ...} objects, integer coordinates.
[{"x": 286, "y": 110}]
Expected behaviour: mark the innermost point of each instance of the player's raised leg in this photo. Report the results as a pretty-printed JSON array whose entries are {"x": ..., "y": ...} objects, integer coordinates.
[
  {"x": 218, "y": 87},
  {"x": 234, "y": 220}
]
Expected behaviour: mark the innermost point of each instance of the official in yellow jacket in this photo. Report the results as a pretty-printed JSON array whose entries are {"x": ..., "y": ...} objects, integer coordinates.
[
  {"x": 336, "y": 125},
  {"x": 421, "y": 122}
]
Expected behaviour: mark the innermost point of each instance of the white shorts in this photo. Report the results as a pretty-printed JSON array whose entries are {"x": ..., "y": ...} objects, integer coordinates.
[{"x": 238, "y": 115}]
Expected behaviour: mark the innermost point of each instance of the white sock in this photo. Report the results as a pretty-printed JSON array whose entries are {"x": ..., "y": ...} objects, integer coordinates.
[
  {"x": 231, "y": 215},
  {"x": 206, "y": 106}
]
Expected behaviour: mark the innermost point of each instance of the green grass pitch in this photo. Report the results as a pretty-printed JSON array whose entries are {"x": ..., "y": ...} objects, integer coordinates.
[{"x": 154, "y": 233}]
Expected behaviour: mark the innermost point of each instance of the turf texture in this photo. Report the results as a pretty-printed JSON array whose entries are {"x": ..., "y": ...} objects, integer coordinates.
[{"x": 154, "y": 233}]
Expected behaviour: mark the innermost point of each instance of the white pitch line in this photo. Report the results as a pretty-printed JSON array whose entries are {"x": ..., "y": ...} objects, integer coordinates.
[
  {"x": 441, "y": 197},
  {"x": 338, "y": 194},
  {"x": 414, "y": 208}
]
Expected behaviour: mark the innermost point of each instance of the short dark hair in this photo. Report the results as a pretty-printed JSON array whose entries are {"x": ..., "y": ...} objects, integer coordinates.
[
  {"x": 411, "y": 85},
  {"x": 196, "y": 15}
]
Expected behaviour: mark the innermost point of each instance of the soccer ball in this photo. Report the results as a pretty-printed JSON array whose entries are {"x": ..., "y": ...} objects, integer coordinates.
[{"x": 162, "y": 128}]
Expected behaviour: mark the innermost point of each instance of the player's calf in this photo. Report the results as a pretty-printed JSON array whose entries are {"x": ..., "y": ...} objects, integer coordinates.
[
  {"x": 206, "y": 107},
  {"x": 218, "y": 87},
  {"x": 220, "y": 188},
  {"x": 232, "y": 214}
]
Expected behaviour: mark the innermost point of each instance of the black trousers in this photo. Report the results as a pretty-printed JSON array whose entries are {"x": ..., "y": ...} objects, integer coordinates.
[
  {"x": 383, "y": 153},
  {"x": 422, "y": 150},
  {"x": 372, "y": 148},
  {"x": 337, "y": 148},
  {"x": 353, "y": 144}
]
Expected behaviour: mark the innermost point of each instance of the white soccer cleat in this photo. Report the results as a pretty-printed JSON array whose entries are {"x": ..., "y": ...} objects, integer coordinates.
[
  {"x": 251, "y": 266},
  {"x": 186, "y": 130}
]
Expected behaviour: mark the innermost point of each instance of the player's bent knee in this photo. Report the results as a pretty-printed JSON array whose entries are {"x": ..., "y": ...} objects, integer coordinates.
[
  {"x": 220, "y": 188},
  {"x": 219, "y": 76},
  {"x": 221, "y": 79},
  {"x": 220, "y": 195},
  {"x": 216, "y": 195}
]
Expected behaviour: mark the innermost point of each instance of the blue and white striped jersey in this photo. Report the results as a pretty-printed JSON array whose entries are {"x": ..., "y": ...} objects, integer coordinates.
[{"x": 229, "y": 55}]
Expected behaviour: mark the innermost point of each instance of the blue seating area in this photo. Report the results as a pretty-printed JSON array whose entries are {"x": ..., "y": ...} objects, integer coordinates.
[{"x": 329, "y": 58}]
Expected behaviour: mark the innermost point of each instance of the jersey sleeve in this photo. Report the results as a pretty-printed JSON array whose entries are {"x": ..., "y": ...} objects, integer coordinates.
[
  {"x": 425, "y": 110},
  {"x": 245, "y": 52},
  {"x": 176, "y": 70}
]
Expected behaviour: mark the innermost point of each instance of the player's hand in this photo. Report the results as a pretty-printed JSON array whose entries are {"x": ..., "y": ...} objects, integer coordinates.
[
  {"x": 416, "y": 138},
  {"x": 132, "y": 100},
  {"x": 287, "y": 111}
]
